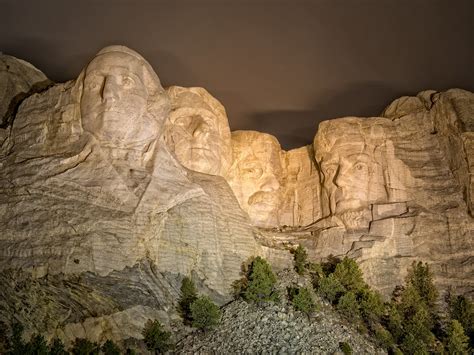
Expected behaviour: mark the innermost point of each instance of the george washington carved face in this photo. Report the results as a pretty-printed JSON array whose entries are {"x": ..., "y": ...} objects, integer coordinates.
[{"x": 117, "y": 87}]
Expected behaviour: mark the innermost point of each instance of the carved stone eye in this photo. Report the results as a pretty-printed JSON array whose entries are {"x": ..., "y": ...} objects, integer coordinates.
[
  {"x": 127, "y": 81},
  {"x": 360, "y": 166},
  {"x": 93, "y": 84}
]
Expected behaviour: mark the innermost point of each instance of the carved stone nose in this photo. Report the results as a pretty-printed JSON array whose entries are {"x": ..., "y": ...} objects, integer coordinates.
[
  {"x": 110, "y": 92},
  {"x": 270, "y": 184},
  {"x": 200, "y": 128}
]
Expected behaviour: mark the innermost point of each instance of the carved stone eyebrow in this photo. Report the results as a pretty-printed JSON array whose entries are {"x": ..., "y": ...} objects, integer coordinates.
[{"x": 117, "y": 70}]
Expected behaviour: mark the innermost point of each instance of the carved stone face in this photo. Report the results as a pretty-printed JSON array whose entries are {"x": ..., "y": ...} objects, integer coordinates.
[
  {"x": 352, "y": 172},
  {"x": 255, "y": 176},
  {"x": 114, "y": 100},
  {"x": 197, "y": 131}
]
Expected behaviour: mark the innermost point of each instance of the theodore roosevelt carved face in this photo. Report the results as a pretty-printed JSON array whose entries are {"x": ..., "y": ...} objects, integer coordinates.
[
  {"x": 197, "y": 131},
  {"x": 256, "y": 174},
  {"x": 118, "y": 85}
]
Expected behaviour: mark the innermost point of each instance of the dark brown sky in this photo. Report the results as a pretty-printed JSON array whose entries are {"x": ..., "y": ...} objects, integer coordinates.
[{"x": 277, "y": 66}]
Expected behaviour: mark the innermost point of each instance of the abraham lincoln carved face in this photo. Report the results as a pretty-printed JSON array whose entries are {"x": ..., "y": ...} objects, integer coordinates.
[{"x": 351, "y": 167}]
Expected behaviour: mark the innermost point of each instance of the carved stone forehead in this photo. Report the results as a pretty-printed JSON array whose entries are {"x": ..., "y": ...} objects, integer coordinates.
[
  {"x": 198, "y": 101},
  {"x": 346, "y": 135},
  {"x": 121, "y": 56},
  {"x": 251, "y": 145}
]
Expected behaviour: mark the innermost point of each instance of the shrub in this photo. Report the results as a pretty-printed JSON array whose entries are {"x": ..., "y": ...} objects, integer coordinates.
[
  {"x": 345, "y": 348},
  {"x": 303, "y": 301},
  {"x": 156, "y": 338},
  {"x": 383, "y": 337},
  {"x": 457, "y": 341},
  {"x": 110, "y": 348},
  {"x": 188, "y": 296},
  {"x": 56, "y": 347},
  {"x": 349, "y": 306},
  {"x": 349, "y": 275},
  {"x": 84, "y": 347},
  {"x": 330, "y": 288},
  {"x": 37, "y": 345},
  {"x": 261, "y": 282},
  {"x": 205, "y": 313},
  {"x": 300, "y": 256}
]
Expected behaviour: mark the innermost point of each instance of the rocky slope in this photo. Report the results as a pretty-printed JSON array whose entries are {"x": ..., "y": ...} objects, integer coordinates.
[{"x": 277, "y": 328}]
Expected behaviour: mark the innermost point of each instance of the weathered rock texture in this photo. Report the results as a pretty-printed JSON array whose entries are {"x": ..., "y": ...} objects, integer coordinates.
[
  {"x": 18, "y": 80},
  {"x": 397, "y": 189},
  {"x": 92, "y": 202},
  {"x": 112, "y": 189}
]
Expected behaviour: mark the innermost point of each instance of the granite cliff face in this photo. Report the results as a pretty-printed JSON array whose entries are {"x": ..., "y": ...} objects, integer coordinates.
[{"x": 113, "y": 188}]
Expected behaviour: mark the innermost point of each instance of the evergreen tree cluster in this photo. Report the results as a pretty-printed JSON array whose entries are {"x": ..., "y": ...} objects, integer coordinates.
[
  {"x": 410, "y": 323},
  {"x": 15, "y": 345},
  {"x": 198, "y": 311}
]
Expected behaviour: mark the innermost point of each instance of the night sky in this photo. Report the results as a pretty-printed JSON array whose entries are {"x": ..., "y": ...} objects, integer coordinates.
[{"x": 277, "y": 66}]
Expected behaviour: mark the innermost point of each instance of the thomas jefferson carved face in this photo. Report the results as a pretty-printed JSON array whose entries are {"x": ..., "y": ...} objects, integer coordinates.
[
  {"x": 352, "y": 171},
  {"x": 114, "y": 99},
  {"x": 255, "y": 176},
  {"x": 197, "y": 131}
]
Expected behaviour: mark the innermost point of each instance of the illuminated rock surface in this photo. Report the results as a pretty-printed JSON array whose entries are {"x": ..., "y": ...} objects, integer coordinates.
[
  {"x": 18, "y": 79},
  {"x": 113, "y": 189}
]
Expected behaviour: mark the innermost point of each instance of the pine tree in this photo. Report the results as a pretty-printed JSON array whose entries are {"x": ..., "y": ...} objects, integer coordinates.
[
  {"x": 84, "y": 347},
  {"x": 421, "y": 278},
  {"x": 349, "y": 306},
  {"x": 56, "y": 347},
  {"x": 330, "y": 288},
  {"x": 261, "y": 282},
  {"x": 349, "y": 275},
  {"x": 156, "y": 338},
  {"x": 37, "y": 345},
  {"x": 303, "y": 301},
  {"x": 457, "y": 341},
  {"x": 110, "y": 348},
  {"x": 205, "y": 313},
  {"x": 300, "y": 257},
  {"x": 18, "y": 347},
  {"x": 188, "y": 296},
  {"x": 461, "y": 309}
]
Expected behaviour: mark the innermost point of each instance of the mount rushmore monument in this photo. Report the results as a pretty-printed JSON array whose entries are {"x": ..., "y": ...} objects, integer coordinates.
[{"x": 114, "y": 188}]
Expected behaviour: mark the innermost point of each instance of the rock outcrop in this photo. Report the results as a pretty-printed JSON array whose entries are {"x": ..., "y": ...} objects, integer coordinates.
[
  {"x": 93, "y": 202},
  {"x": 113, "y": 188},
  {"x": 18, "y": 80}
]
